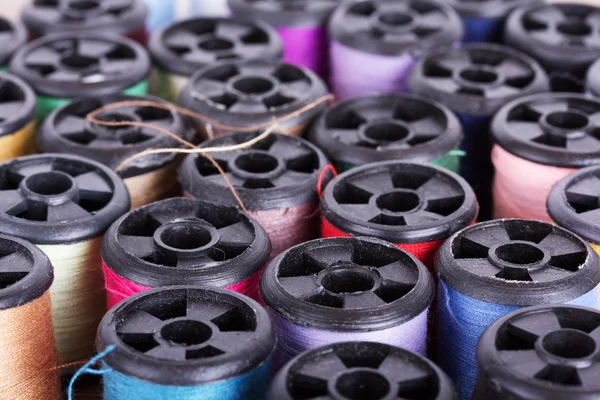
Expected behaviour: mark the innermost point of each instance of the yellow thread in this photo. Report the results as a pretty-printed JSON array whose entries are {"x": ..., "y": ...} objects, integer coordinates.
[
  {"x": 19, "y": 143},
  {"x": 153, "y": 186}
]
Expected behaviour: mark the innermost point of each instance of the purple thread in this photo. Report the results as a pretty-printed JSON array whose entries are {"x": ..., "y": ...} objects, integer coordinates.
[
  {"x": 307, "y": 47},
  {"x": 356, "y": 74},
  {"x": 294, "y": 339}
]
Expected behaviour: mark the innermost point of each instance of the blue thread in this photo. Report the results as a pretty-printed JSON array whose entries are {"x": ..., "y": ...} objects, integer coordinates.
[
  {"x": 161, "y": 13},
  {"x": 87, "y": 369},
  {"x": 461, "y": 321},
  {"x": 483, "y": 30}
]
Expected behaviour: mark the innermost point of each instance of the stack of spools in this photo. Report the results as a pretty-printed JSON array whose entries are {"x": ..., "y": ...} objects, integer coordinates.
[
  {"x": 375, "y": 43},
  {"x": 360, "y": 370},
  {"x": 415, "y": 206},
  {"x": 186, "y": 342},
  {"x": 64, "y": 204},
  {"x": 540, "y": 140},
  {"x": 546, "y": 352},
  {"x": 388, "y": 127},
  {"x": 123, "y": 17},
  {"x": 13, "y": 36},
  {"x": 184, "y": 47},
  {"x": 301, "y": 24},
  {"x": 17, "y": 118},
  {"x": 340, "y": 289},
  {"x": 148, "y": 179},
  {"x": 593, "y": 79},
  {"x": 182, "y": 241},
  {"x": 242, "y": 94},
  {"x": 276, "y": 180},
  {"x": 63, "y": 66},
  {"x": 475, "y": 81},
  {"x": 493, "y": 268}
]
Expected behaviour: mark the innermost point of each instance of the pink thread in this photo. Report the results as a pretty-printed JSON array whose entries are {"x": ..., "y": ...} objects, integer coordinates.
[
  {"x": 521, "y": 187},
  {"x": 307, "y": 47}
]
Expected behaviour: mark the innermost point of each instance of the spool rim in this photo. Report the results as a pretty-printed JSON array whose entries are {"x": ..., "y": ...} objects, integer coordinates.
[
  {"x": 66, "y": 130},
  {"x": 593, "y": 79},
  {"x": 413, "y": 116},
  {"x": 236, "y": 320},
  {"x": 62, "y": 188},
  {"x": 25, "y": 272},
  {"x": 545, "y": 129},
  {"x": 456, "y": 205},
  {"x": 517, "y": 262},
  {"x": 301, "y": 14},
  {"x": 567, "y": 319},
  {"x": 17, "y": 104},
  {"x": 487, "y": 8},
  {"x": 103, "y": 17},
  {"x": 181, "y": 213},
  {"x": 258, "y": 41},
  {"x": 395, "y": 365},
  {"x": 17, "y": 37},
  {"x": 286, "y": 177},
  {"x": 80, "y": 73},
  {"x": 376, "y": 298},
  {"x": 501, "y": 74}
]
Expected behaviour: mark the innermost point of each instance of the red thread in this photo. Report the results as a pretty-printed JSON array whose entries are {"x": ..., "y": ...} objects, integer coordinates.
[{"x": 326, "y": 168}]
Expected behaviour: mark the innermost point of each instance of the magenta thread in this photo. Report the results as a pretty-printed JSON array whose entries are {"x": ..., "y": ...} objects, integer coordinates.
[{"x": 307, "y": 47}]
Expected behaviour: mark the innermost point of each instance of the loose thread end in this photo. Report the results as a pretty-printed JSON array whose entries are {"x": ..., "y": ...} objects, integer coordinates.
[{"x": 87, "y": 369}]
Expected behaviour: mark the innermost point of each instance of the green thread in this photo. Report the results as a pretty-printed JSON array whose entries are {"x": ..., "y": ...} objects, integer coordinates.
[{"x": 450, "y": 161}]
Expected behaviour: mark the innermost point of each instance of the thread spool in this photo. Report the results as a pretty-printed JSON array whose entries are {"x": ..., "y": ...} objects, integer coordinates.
[
  {"x": 415, "y": 206},
  {"x": 375, "y": 43},
  {"x": 484, "y": 20},
  {"x": 124, "y": 17},
  {"x": 475, "y": 81},
  {"x": 29, "y": 358},
  {"x": 183, "y": 241},
  {"x": 360, "y": 370},
  {"x": 540, "y": 352},
  {"x": 561, "y": 37},
  {"x": 161, "y": 13},
  {"x": 302, "y": 26},
  {"x": 186, "y": 342},
  {"x": 61, "y": 67},
  {"x": 493, "y": 268},
  {"x": 250, "y": 92},
  {"x": 573, "y": 204},
  {"x": 148, "y": 179},
  {"x": 388, "y": 127},
  {"x": 593, "y": 79},
  {"x": 276, "y": 180},
  {"x": 184, "y": 47},
  {"x": 63, "y": 204},
  {"x": 17, "y": 117},
  {"x": 13, "y": 36},
  {"x": 540, "y": 140}
]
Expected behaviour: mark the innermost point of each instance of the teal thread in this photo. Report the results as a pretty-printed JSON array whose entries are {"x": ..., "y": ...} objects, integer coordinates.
[{"x": 87, "y": 369}]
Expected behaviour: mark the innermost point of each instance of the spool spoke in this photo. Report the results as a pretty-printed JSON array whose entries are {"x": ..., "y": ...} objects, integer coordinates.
[
  {"x": 43, "y": 56},
  {"x": 421, "y": 217},
  {"x": 289, "y": 178},
  {"x": 28, "y": 170},
  {"x": 526, "y": 362},
  {"x": 13, "y": 202},
  {"x": 488, "y": 237},
  {"x": 547, "y": 15},
  {"x": 541, "y": 108},
  {"x": 365, "y": 212},
  {"x": 182, "y": 38},
  {"x": 411, "y": 375},
  {"x": 295, "y": 89},
  {"x": 250, "y": 105},
  {"x": 346, "y": 136},
  {"x": 328, "y": 365},
  {"x": 438, "y": 189},
  {"x": 257, "y": 69},
  {"x": 301, "y": 287},
  {"x": 168, "y": 353},
  {"x": 433, "y": 20},
  {"x": 556, "y": 244},
  {"x": 374, "y": 183},
  {"x": 596, "y": 334},
  {"x": 66, "y": 212},
  {"x": 583, "y": 144},
  {"x": 141, "y": 322},
  {"x": 589, "y": 376},
  {"x": 208, "y": 311},
  {"x": 513, "y": 69},
  {"x": 427, "y": 126},
  {"x": 584, "y": 192},
  {"x": 323, "y": 257},
  {"x": 139, "y": 246},
  {"x": 526, "y": 130},
  {"x": 479, "y": 266},
  {"x": 236, "y": 235},
  {"x": 233, "y": 32},
  {"x": 549, "y": 37},
  {"x": 95, "y": 49},
  {"x": 531, "y": 327},
  {"x": 230, "y": 342},
  {"x": 283, "y": 149},
  {"x": 443, "y": 84},
  {"x": 93, "y": 187},
  {"x": 396, "y": 272},
  {"x": 209, "y": 88},
  {"x": 455, "y": 61},
  {"x": 502, "y": 91},
  {"x": 71, "y": 124},
  {"x": 362, "y": 301}
]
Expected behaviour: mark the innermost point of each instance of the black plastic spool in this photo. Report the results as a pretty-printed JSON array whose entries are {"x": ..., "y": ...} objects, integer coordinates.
[
  {"x": 593, "y": 79},
  {"x": 186, "y": 336},
  {"x": 17, "y": 104},
  {"x": 574, "y": 203},
  {"x": 57, "y": 16},
  {"x": 182, "y": 241},
  {"x": 281, "y": 13},
  {"x": 347, "y": 284},
  {"x": 518, "y": 262},
  {"x": 25, "y": 272},
  {"x": 70, "y": 65},
  {"x": 385, "y": 128},
  {"x": 278, "y": 172},
  {"x": 399, "y": 202},
  {"x": 67, "y": 130},
  {"x": 544, "y": 352},
  {"x": 557, "y": 129},
  {"x": 562, "y": 37},
  {"x": 59, "y": 199},
  {"x": 251, "y": 92},
  {"x": 184, "y": 47},
  {"x": 361, "y": 370},
  {"x": 12, "y": 37},
  {"x": 395, "y": 28}
]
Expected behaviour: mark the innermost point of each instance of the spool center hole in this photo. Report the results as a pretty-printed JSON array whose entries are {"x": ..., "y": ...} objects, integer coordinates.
[
  {"x": 396, "y": 19},
  {"x": 574, "y": 28},
  {"x": 186, "y": 236},
  {"x": 477, "y": 75},
  {"x": 216, "y": 44},
  {"x": 256, "y": 163},
  {"x": 568, "y": 343},
  {"x": 253, "y": 85},
  {"x": 49, "y": 183},
  {"x": 519, "y": 253},
  {"x": 398, "y": 201},
  {"x": 361, "y": 385},
  {"x": 348, "y": 280},
  {"x": 84, "y": 5},
  {"x": 386, "y": 132},
  {"x": 567, "y": 120},
  {"x": 77, "y": 61},
  {"x": 186, "y": 332}
]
